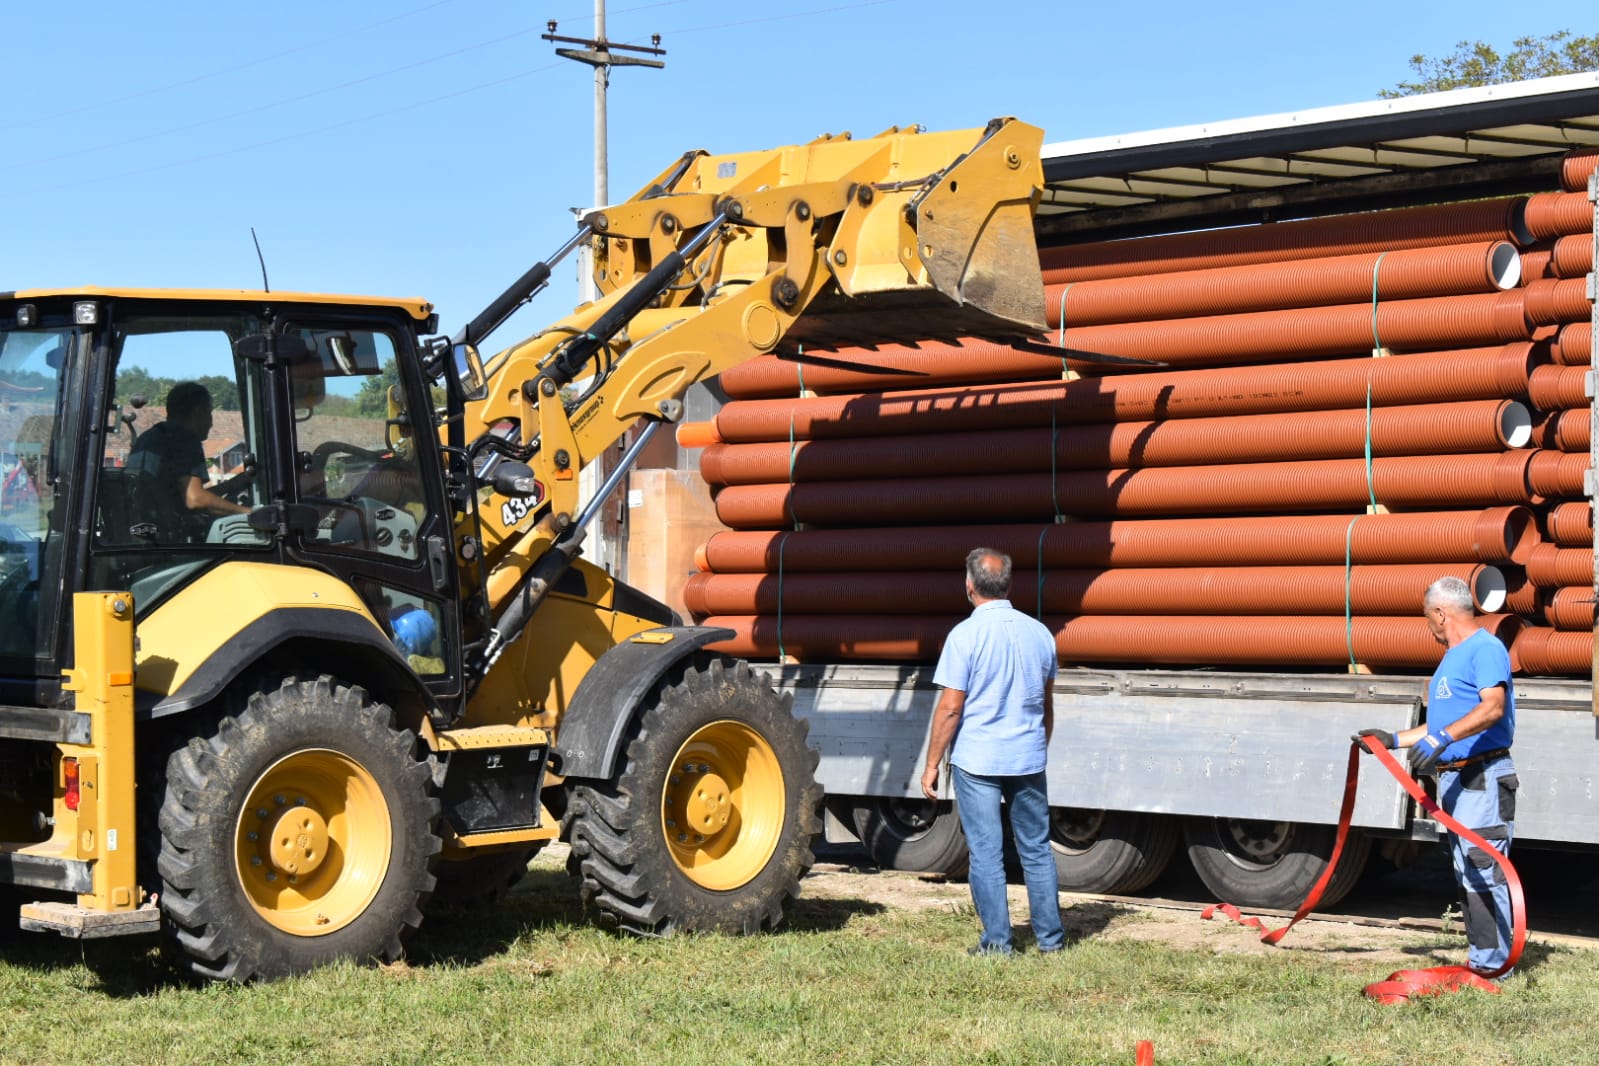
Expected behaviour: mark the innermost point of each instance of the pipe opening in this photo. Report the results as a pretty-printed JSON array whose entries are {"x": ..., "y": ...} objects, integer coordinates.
[
  {"x": 1488, "y": 589},
  {"x": 1504, "y": 265},
  {"x": 1515, "y": 424}
]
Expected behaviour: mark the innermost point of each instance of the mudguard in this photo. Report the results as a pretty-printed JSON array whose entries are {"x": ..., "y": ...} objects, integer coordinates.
[{"x": 595, "y": 724}]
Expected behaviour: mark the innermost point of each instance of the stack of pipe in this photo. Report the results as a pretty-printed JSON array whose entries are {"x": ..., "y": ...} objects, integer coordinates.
[{"x": 1348, "y": 409}]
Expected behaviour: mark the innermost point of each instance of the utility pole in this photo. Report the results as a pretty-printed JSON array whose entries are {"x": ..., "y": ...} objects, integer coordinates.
[{"x": 602, "y": 55}]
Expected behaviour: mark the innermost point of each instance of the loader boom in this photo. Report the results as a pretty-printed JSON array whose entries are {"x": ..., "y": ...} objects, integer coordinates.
[{"x": 724, "y": 258}]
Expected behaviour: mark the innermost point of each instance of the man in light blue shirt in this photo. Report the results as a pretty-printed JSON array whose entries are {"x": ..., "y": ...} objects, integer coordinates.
[{"x": 996, "y": 671}]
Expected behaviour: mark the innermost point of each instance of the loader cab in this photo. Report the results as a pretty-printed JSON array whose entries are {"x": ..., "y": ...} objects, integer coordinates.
[{"x": 150, "y": 438}]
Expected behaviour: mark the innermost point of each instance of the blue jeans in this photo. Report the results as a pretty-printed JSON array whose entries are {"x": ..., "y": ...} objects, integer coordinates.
[
  {"x": 977, "y": 797},
  {"x": 1483, "y": 799}
]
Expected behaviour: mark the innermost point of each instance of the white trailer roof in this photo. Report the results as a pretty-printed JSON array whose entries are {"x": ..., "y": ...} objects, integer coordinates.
[{"x": 1461, "y": 144}]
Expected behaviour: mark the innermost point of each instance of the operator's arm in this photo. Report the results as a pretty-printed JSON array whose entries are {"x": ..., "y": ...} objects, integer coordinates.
[
  {"x": 196, "y": 497},
  {"x": 946, "y": 716},
  {"x": 1489, "y": 710},
  {"x": 1049, "y": 710}
]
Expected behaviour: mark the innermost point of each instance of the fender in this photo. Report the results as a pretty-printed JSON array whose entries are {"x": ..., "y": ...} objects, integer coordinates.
[
  {"x": 342, "y": 635},
  {"x": 236, "y": 615},
  {"x": 592, "y": 730}
]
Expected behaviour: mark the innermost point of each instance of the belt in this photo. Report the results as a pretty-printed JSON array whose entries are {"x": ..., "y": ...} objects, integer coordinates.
[{"x": 1472, "y": 760}]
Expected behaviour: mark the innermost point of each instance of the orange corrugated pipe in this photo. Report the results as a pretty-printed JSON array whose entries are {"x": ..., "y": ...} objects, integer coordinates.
[
  {"x": 1570, "y": 607},
  {"x": 1569, "y": 525},
  {"x": 1300, "y": 590},
  {"x": 1572, "y": 256},
  {"x": 1494, "y": 535},
  {"x": 1540, "y": 650},
  {"x": 1556, "y": 214},
  {"x": 1552, "y": 301},
  {"x": 1523, "y": 598},
  {"x": 1333, "y": 484},
  {"x": 1399, "y": 275},
  {"x": 1422, "y": 377},
  {"x": 1566, "y": 431},
  {"x": 1537, "y": 263},
  {"x": 1573, "y": 345},
  {"x": 1283, "y": 640},
  {"x": 1557, "y": 388},
  {"x": 1375, "y": 231},
  {"x": 1311, "y": 332},
  {"x": 1480, "y": 426},
  {"x": 1550, "y": 566},
  {"x": 1575, "y": 168},
  {"x": 1556, "y": 473}
]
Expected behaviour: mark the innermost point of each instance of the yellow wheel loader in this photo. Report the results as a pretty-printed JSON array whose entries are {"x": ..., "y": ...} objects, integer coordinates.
[{"x": 294, "y": 629}]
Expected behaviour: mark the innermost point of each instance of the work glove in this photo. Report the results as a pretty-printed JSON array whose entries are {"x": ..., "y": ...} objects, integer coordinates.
[
  {"x": 1424, "y": 756},
  {"x": 1385, "y": 738}
]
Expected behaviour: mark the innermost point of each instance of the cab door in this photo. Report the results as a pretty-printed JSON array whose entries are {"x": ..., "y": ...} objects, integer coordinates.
[{"x": 368, "y": 479}]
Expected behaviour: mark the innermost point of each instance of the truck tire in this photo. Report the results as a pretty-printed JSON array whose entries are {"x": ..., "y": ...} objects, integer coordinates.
[
  {"x": 909, "y": 834},
  {"x": 707, "y": 824},
  {"x": 1110, "y": 852},
  {"x": 303, "y": 831},
  {"x": 1255, "y": 863}
]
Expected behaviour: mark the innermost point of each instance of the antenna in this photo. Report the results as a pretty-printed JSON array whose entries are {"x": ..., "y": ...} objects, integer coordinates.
[{"x": 262, "y": 259}]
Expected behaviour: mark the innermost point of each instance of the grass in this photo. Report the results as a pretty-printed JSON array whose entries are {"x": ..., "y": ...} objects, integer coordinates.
[{"x": 845, "y": 981}]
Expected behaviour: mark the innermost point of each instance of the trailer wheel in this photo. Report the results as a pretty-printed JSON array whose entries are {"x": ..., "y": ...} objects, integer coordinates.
[
  {"x": 1110, "y": 852},
  {"x": 707, "y": 824},
  {"x": 910, "y": 834},
  {"x": 1256, "y": 863},
  {"x": 303, "y": 831}
]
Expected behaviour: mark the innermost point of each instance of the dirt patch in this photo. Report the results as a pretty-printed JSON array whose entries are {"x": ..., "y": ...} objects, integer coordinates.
[{"x": 1173, "y": 925}]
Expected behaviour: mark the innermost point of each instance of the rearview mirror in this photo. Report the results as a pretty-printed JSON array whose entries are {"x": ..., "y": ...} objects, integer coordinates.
[{"x": 469, "y": 372}]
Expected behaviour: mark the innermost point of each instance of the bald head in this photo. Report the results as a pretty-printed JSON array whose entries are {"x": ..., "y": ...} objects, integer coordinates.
[{"x": 988, "y": 573}]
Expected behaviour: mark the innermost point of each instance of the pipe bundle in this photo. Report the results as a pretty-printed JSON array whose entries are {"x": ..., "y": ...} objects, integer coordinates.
[{"x": 1348, "y": 408}]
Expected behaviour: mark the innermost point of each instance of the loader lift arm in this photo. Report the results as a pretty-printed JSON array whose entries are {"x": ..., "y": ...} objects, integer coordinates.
[{"x": 722, "y": 259}]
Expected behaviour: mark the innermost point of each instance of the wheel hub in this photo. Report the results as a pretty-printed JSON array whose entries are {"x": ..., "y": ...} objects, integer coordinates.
[
  {"x": 297, "y": 842},
  {"x": 1259, "y": 841},
  {"x": 707, "y": 806}
]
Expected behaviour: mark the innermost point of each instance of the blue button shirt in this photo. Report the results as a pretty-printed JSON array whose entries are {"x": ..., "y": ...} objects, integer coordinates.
[
  {"x": 1002, "y": 659},
  {"x": 1476, "y": 663}
]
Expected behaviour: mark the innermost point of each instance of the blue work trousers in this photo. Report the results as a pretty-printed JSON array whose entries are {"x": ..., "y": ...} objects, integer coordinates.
[
  {"x": 1482, "y": 797},
  {"x": 978, "y": 797}
]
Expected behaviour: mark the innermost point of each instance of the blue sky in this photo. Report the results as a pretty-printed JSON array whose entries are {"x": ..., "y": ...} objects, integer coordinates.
[{"x": 434, "y": 147}]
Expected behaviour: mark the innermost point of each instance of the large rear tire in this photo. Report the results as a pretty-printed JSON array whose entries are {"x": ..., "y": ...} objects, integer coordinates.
[
  {"x": 302, "y": 832},
  {"x": 908, "y": 834},
  {"x": 707, "y": 824},
  {"x": 1110, "y": 852},
  {"x": 1255, "y": 863}
]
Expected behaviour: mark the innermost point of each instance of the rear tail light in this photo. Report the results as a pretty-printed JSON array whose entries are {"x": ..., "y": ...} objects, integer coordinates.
[{"x": 69, "y": 769}]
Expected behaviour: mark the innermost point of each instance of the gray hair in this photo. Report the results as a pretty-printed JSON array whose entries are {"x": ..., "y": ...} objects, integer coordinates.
[
  {"x": 989, "y": 572},
  {"x": 1451, "y": 593}
]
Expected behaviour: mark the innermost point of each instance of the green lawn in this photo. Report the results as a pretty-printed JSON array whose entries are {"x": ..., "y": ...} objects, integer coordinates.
[{"x": 846, "y": 981}]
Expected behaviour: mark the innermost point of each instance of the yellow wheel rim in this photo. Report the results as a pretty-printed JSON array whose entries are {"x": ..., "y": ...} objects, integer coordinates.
[
  {"x": 722, "y": 807},
  {"x": 313, "y": 842}
]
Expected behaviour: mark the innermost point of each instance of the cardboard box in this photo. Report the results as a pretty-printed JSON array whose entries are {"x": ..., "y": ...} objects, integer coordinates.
[{"x": 669, "y": 515}]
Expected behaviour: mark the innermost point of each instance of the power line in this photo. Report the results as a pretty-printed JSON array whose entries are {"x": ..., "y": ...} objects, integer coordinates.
[{"x": 231, "y": 69}]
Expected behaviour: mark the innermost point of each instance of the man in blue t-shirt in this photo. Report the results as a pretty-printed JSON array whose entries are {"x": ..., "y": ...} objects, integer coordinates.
[
  {"x": 1471, "y": 722},
  {"x": 996, "y": 671}
]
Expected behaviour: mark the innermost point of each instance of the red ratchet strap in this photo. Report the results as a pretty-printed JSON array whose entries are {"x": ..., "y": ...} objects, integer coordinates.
[{"x": 1403, "y": 984}]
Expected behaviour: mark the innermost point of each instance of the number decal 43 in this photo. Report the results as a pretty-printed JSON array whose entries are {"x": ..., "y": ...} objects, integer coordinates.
[{"x": 514, "y": 510}]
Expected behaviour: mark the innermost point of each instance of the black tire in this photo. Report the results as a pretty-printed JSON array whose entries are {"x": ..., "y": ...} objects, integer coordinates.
[
  {"x": 1110, "y": 852},
  {"x": 481, "y": 880},
  {"x": 1254, "y": 863},
  {"x": 311, "y": 781},
  {"x": 909, "y": 834},
  {"x": 756, "y": 804}
]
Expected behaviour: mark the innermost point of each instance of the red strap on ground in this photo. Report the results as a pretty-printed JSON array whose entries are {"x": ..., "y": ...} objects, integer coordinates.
[
  {"x": 1146, "y": 1053},
  {"x": 1402, "y": 984}
]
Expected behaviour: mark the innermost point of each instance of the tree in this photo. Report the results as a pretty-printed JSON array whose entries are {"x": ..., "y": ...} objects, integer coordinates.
[{"x": 1479, "y": 63}]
